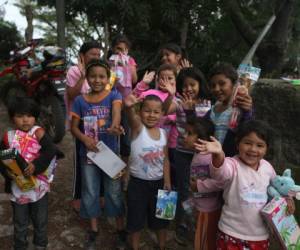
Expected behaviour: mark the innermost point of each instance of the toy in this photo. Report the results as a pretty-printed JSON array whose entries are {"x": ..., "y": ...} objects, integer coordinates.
[{"x": 284, "y": 186}]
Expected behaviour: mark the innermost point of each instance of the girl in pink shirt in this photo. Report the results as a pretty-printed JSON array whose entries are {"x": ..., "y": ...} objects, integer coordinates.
[{"x": 246, "y": 176}]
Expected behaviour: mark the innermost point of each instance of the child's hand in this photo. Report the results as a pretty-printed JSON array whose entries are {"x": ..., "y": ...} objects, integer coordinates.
[
  {"x": 116, "y": 130},
  {"x": 187, "y": 102},
  {"x": 166, "y": 86},
  {"x": 206, "y": 147},
  {"x": 131, "y": 100},
  {"x": 184, "y": 63},
  {"x": 148, "y": 77},
  {"x": 29, "y": 170},
  {"x": 243, "y": 100},
  {"x": 193, "y": 185},
  {"x": 290, "y": 205},
  {"x": 167, "y": 185},
  {"x": 81, "y": 65},
  {"x": 90, "y": 144}
]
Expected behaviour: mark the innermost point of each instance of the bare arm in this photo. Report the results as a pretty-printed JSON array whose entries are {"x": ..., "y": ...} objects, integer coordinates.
[
  {"x": 133, "y": 118},
  {"x": 115, "y": 127},
  {"x": 74, "y": 91},
  {"x": 166, "y": 170}
]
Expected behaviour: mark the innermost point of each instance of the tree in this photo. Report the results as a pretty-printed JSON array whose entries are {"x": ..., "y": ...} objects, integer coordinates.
[
  {"x": 210, "y": 31},
  {"x": 272, "y": 51},
  {"x": 10, "y": 39}
]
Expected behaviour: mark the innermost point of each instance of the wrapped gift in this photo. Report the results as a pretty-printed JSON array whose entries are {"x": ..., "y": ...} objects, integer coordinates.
[
  {"x": 15, "y": 165},
  {"x": 166, "y": 204},
  {"x": 285, "y": 227}
]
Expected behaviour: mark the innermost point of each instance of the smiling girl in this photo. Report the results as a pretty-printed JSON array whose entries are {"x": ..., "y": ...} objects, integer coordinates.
[
  {"x": 247, "y": 177},
  {"x": 96, "y": 116}
]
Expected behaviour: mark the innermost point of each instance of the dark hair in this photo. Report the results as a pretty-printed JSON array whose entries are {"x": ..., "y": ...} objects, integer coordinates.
[
  {"x": 99, "y": 63},
  {"x": 225, "y": 69},
  {"x": 23, "y": 106},
  {"x": 164, "y": 67},
  {"x": 172, "y": 47},
  {"x": 260, "y": 128},
  {"x": 86, "y": 46},
  {"x": 203, "y": 127},
  {"x": 195, "y": 74},
  {"x": 120, "y": 39},
  {"x": 151, "y": 98}
]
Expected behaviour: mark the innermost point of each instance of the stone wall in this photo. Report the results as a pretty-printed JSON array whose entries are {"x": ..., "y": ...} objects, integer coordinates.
[{"x": 278, "y": 103}]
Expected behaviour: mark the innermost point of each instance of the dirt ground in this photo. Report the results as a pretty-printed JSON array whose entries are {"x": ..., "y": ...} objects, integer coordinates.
[{"x": 65, "y": 229}]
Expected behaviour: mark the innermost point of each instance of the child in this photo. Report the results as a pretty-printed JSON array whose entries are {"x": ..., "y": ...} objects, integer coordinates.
[
  {"x": 96, "y": 116},
  {"x": 191, "y": 85},
  {"x": 222, "y": 81},
  {"x": 171, "y": 53},
  {"x": 32, "y": 203},
  {"x": 148, "y": 166},
  {"x": 166, "y": 72},
  {"x": 120, "y": 50},
  {"x": 76, "y": 85},
  {"x": 125, "y": 67},
  {"x": 208, "y": 202},
  {"x": 246, "y": 177}
]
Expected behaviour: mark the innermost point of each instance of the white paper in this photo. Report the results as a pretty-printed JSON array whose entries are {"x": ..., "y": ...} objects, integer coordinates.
[{"x": 107, "y": 160}]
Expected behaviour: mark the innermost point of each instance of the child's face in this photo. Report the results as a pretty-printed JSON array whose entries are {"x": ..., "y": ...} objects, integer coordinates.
[
  {"x": 120, "y": 48},
  {"x": 191, "y": 87},
  {"x": 167, "y": 75},
  {"x": 151, "y": 113},
  {"x": 91, "y": 54},
  {"x": 252, "y": 149},
  {"x": 97, "y": 78},
  {"x": 221, "y": 87},
  {"x": 169, "y": 57},
  {"x": 190, "y": 137},
  {"x": 24, "y": 122}
]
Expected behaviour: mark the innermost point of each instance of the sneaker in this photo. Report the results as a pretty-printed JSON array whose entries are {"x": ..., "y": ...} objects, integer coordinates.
[
  {"x": 121, "y": 241},
  {"x": 90, "y": 243},
  {"x": 181, "y": 235}
]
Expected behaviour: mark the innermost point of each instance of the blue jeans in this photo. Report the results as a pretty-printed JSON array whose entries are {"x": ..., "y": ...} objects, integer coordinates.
[
  {"x": 90, "y": 192},
  {"x": 38, "y": 213}
]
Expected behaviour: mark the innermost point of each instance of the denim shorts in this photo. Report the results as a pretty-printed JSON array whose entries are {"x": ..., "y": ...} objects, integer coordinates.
[{"x": 90, "y": 192}]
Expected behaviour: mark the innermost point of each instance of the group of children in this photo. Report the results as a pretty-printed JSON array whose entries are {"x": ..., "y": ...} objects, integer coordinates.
[{"x": 177, "y": 140}]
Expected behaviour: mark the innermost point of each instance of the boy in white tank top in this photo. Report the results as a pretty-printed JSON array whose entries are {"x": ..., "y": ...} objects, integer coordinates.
[{"x": 148, "y": 166}]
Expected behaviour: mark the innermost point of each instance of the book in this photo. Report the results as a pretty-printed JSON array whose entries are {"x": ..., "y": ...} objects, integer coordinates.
[
  {"x": 16, "y": 164},
  {"x": 285, "y": 226},
  {"x": 107, "y": 160},
  {"x": 166, "y": 204}
]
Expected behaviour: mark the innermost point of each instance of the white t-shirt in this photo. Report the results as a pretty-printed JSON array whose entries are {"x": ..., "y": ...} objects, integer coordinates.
[
  {"x": 147, "y": 156},
  {"x": 245, "y": 194}
]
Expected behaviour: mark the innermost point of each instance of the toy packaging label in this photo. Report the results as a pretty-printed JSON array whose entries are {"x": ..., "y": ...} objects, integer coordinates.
[
  {"x": 15, "y": 165},
  {"x": 26, "y": 145},
  {"x": 286, "y": 227},
  {"x": 166, "y": 204},
  {"x": 248, "y": 71}
]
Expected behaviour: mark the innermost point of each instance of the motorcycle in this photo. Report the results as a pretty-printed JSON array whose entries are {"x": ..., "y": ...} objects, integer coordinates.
[{"x": 40, "y": 74}]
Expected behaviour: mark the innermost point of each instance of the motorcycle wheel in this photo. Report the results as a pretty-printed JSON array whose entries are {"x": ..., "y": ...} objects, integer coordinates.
[{"x": 52, "y": 118}]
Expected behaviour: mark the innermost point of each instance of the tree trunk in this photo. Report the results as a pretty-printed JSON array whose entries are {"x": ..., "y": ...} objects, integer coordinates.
[
  {"x": 29, "y": 19},
  {"x": 60, "y": 18},
  {"x": 272, "y": 50}
]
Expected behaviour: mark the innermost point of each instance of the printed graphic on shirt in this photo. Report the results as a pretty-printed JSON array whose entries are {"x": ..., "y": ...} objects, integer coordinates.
[
  {"x": 152, "y": 157},
  {"x": 94, "y": 120},
  {"x": 252, "y": 197},
  {"x": 200, "y": 172}
]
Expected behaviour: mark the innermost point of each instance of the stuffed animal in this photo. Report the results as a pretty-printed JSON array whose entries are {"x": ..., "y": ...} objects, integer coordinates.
[{"x": 284, "y": 186}]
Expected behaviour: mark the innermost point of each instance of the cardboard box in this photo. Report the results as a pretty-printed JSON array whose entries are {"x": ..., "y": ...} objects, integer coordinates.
[{"x": 285, "y": 227}]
